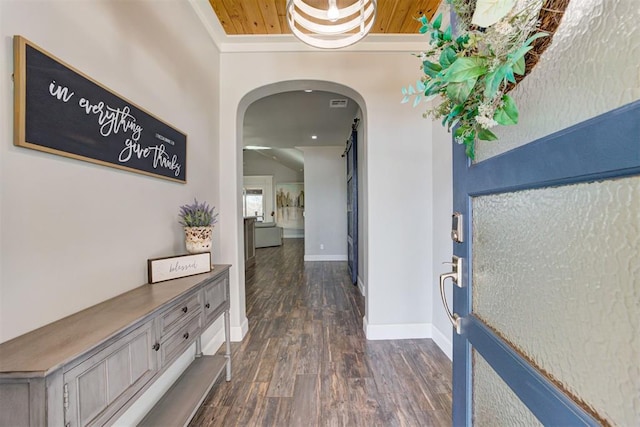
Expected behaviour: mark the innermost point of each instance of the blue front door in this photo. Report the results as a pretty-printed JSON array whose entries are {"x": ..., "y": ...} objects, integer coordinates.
[{"x": 507, "y": 371}]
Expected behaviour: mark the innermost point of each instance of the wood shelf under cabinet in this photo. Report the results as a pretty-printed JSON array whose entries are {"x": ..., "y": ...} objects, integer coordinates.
[{"x": 181, "y": 402}]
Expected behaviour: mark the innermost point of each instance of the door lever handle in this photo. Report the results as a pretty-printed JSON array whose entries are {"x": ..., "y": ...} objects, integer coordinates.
[{"x": 454, "y": 276}]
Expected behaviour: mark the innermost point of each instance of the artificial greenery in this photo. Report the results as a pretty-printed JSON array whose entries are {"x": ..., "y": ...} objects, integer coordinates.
[
  {"x": 197, "y": 215},
  {"x": 471, "y": 73}
]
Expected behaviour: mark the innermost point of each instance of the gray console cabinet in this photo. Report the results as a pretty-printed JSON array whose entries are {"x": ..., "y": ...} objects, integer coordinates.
[{"x": 88, "y": 368}]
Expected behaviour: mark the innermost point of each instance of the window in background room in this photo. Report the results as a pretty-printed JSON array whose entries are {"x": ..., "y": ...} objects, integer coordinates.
[{"x": 253, "y": 203}]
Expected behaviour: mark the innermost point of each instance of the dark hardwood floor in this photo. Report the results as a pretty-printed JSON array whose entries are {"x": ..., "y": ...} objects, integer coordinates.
[{"x": 305, "y": 360}]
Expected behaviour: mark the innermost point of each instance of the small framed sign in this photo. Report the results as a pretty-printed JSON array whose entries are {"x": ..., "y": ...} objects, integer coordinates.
[{"x": 161, "y": 269}]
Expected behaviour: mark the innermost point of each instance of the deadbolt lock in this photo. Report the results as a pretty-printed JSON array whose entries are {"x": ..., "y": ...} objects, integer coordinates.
[{"x": 457, "y": 226}]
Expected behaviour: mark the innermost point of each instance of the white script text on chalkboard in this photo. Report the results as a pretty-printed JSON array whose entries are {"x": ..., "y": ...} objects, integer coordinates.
[{"x": 112, "y": 121}]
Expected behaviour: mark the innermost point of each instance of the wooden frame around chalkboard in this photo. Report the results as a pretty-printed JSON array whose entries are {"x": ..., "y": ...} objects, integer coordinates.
[{"x": 60, "y": 110}]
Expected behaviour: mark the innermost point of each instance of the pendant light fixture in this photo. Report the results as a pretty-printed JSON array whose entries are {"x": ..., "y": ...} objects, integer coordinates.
[{"x": 331, "y": 28}]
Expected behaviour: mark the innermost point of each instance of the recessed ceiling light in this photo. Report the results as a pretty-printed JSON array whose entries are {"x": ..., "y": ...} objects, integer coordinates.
[
  {"x": 308, "y": 90},
  {"x": 256, "y": 147},
  {"x": 314, "y": 136}
]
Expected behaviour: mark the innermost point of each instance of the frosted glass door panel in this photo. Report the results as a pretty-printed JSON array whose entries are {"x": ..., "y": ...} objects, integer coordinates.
[
  {"x": 568, "y": 299},
  {"x": 494, "y": 403}
]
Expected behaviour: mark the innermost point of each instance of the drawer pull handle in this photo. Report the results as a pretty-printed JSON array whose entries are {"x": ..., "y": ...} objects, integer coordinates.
[
  {"x": 185, "y": 309},
  {"x": 156, "y": 346},
  {"x": 207, "y": 305},
  {"x": 186, "y": 336}
]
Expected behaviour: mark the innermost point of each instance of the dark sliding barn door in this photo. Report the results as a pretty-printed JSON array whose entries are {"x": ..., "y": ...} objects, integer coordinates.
[{"x": 352, "y": 203}]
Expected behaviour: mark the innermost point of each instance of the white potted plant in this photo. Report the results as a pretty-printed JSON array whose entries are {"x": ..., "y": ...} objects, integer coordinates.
[{"x": 198, "y": 220}]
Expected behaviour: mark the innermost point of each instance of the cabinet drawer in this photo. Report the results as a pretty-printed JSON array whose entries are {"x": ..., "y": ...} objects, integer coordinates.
[
  {"x": 216, "y": 298},
  {"x": 98, "y": 386},
  {"x": 177, "y": 342},
  {"x": 179, "y": 312}
]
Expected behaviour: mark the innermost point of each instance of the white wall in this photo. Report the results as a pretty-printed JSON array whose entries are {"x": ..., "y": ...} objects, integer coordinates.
[
  {"x": 325, "y": 186},
  {"x": 400, "y": 229},
  {"x": 442, "y": 244},
  {"x": 73, "y": 233},
  {"x": 399, "y": 276},
  {"x": 257, "y": 164}
]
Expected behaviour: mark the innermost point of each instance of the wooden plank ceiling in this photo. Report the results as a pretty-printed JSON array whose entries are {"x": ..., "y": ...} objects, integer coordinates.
[{"x": 269, "y": 16}]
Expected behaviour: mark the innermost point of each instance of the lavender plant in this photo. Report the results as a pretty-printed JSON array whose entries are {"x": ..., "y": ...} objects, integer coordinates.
[{"x": 197, "y": 215}]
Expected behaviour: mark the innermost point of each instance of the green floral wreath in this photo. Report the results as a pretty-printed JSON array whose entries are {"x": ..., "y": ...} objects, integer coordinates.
[{"x": 473, "y": 72}]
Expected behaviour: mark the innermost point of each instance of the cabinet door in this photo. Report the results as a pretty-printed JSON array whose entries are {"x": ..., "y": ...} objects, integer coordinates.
[
  {"x": 216, "y": 299},
  {"x": 113, "y": 375}
]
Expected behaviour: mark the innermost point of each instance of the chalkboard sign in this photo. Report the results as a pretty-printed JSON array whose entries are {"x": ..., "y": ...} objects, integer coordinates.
[{"x": 62, "y": 111}]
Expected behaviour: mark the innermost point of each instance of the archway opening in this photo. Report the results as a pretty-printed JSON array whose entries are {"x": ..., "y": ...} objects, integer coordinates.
[{"x": 247, "y": 136}]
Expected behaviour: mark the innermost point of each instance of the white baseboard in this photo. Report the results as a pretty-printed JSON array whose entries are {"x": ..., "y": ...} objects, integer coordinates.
[
  {"x": 408, "y": 331},
  {"x": 214, "y": 343},
  {"x": 443, "y": 342},
  {"x": 397, "y": 331},
  {"x": 238, "y": 332},
  {"x": 325, "y": 258},
  {"x": 292, "y": 234},
  {"x": 213, "y": 338},
  {"x": 361, "y": 287}
]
